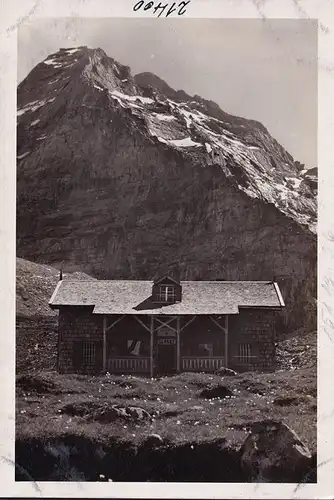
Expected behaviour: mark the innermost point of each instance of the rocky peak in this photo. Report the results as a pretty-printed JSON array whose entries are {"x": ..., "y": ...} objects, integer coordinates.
[
  {"x": 243, "y": 149},
  {"x": 122, "y": 176}
]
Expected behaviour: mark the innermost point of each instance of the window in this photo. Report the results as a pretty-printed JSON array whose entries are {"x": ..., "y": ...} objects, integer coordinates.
[
  {"x": 245, "y": 353},
  {"x": 88, "y": 353},
  {"x": 166, "y": 293}
]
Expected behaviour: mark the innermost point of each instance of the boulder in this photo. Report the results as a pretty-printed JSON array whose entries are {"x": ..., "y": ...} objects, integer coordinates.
[
  {"x": 137, "y": 413},
  {"x": 225, "y": 372},
  {"x": 115, "y": 412},
  {"x": 109, "y": 414},
  {"x": 153, "y": 440},
  {"x": 273, "y": 452},
  {"x": 218, "y": 391}
]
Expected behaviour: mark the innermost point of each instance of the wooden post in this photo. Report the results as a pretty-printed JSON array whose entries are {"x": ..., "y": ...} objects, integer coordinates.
[
  {"x": 104, "y": 356},
  {"x": 178, "y": 350},
  {"x": 226, "y": 341},
  {"x": 151, "y": 346}
]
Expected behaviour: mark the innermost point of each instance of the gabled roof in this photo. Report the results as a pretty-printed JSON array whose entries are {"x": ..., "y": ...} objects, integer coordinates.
[
  {"x": 198, "y": 297},
  {"x": 165, "y": 277}
]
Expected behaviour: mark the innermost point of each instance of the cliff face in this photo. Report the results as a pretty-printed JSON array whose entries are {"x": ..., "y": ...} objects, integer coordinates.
[{"x": 123, "y": 177}]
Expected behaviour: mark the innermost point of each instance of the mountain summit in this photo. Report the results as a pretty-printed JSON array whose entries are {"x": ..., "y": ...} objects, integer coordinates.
[{"x": 122, "y": 176}]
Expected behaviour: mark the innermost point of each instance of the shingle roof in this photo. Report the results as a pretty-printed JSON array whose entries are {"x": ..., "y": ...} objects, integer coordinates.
[{"x": 198, "y": 297}]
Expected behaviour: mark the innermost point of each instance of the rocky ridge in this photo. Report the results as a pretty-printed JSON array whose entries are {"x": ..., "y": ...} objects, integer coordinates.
[{"x": 122, "y": 176}]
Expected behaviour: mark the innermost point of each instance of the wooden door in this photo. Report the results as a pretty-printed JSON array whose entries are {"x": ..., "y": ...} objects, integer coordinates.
[{"x": 166, "y": 362}]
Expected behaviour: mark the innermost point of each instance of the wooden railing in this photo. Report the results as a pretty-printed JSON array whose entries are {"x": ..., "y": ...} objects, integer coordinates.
[
  {"x": 202, "y": 364},
  {"x": 128, "y": 365}
]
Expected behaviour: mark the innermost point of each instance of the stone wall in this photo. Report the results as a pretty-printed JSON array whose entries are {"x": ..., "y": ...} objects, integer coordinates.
[
  {"x": 256, "y": 328},
  {"x": 77, "y": 325}
]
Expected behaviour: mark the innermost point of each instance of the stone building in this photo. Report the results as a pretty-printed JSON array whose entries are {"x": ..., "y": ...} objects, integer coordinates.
[{"x": 166, "y": 326}]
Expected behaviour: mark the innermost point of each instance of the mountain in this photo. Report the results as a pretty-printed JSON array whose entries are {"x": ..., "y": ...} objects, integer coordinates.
[
  {"x": 121, "y": 176},
  {"x": 35, "y": 284}
]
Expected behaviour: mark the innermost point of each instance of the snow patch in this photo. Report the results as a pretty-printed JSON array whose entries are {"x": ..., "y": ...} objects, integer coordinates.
[
  {"x": 52, "y": 62},
  {"x": 208, "y": 147},
  {"x": 32, "y": 124},
  {"x": 34, "y": 106},
  {"x": 187, "y": 116},
  {"x": 164, "y": 118},
  {"x": 53, "y": 81},
  {"x": 71, "y": 51},
  {"x": 131, "y": 98},
  {"x": 187, "y": 142},
  {"x": 97, "y": 86},
  {"x": 31, "y": 106},
  {"x": 23, "y": 155}
]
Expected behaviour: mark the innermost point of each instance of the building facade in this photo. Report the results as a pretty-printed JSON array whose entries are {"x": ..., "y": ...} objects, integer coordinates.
[{"x": 166, "y": 326}]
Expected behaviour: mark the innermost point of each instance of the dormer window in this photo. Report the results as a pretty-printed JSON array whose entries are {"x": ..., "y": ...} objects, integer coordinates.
[
  {"x": 166, "y": 293},
  {"x": 166, "y": 290}
]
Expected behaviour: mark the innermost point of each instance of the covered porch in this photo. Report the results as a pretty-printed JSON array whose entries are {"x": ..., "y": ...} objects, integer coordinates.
[{"x": 155, "y": 345}]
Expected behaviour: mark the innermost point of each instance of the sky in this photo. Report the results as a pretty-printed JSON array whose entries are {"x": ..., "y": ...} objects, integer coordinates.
[{"x": 264, "y": 70}]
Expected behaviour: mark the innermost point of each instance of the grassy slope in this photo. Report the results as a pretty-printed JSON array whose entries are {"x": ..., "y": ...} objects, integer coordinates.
[{"x": 71, "y": 405}]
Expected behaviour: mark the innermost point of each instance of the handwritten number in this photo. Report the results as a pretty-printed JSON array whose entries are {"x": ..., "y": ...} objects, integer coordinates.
[
  {"x": 138, "y": 5},
  {"x": 171, "y": 10},
  {"x": 160, "y": 7},
  {"x": 183, "y": 7},
  {"x": 148, "y": 5}
]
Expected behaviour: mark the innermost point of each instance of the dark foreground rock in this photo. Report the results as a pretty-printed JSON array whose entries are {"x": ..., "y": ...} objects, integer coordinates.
[
  {"x": 225, "y": 372},
  {"x": 218, "y": 391},
  {"x": 114, "y": 412},
  {"x": 274, "y": 453},
  {"x": 79, "y": 458}
]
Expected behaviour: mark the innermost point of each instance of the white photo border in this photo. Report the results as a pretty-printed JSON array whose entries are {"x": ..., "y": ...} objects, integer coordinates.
[{"x": 16, "y": 12}]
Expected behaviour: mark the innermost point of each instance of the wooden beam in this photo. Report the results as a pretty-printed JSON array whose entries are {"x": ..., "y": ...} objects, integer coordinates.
[
  {"x": 104, "y": 347},
  {"x": 178, "y": 346},
  {"x": 151, "y": 346},
  {"x": 142, "y": 323},
  {"x": 162, "y": 323},
  {"x": 114, "y": 323},
  {"x": 188, "y": 323},
  {"x": 226, "y": 341},
  {"x": 223, "y": 328}
]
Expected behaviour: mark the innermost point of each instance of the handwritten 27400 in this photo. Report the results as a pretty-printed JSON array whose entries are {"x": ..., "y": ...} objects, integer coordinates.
[{"x": 160, "y": 8}]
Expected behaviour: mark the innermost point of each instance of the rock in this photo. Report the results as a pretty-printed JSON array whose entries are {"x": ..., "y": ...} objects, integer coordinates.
[
  {"x": 274, "y": 453},
  {"x": 225, "y": 371},
  {"x": 138, "y": 413},
  {"x": 153, "y": 440},
  {"x": 110, "y": 414},
  {"x": 288, "y": 401},
  {"x": 219, "y": 391}
]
